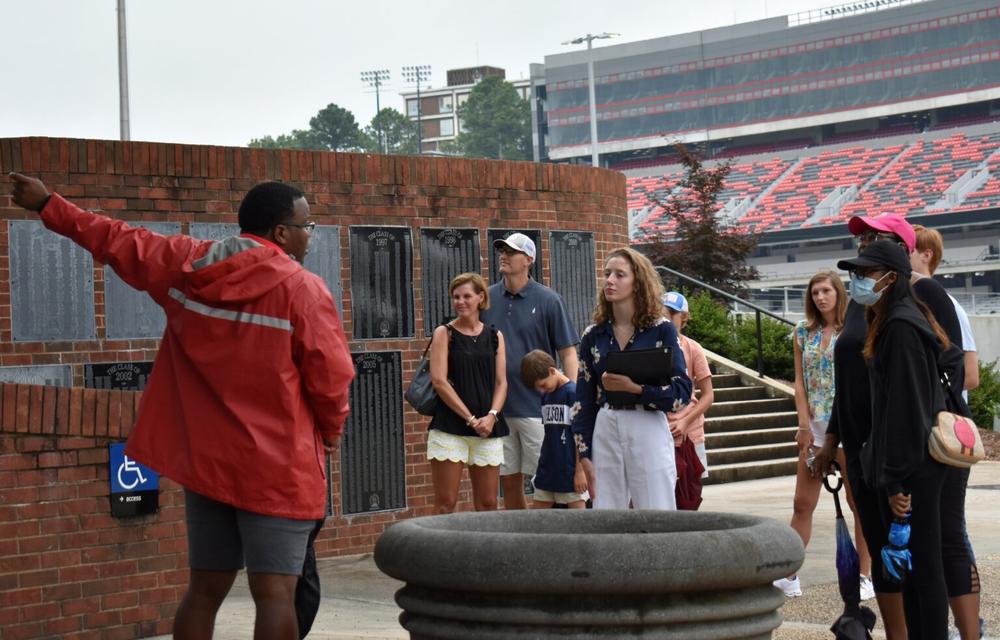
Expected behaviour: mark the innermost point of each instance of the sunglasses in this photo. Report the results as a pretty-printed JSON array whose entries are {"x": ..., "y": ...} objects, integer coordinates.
[{"x": 869, "y": 237}]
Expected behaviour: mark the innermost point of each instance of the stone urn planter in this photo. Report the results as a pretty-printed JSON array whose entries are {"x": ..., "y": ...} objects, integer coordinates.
[{"x": 589, "y": 574}]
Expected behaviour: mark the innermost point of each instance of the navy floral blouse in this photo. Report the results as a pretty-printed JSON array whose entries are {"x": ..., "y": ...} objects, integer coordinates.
[{"x": 596, "y": 343}]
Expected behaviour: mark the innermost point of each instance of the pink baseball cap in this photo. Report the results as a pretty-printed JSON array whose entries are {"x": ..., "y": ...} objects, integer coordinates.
[{"x": 888, "y": 223}]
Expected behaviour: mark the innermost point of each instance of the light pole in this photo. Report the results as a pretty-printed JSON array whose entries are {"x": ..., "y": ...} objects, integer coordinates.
[
  {"x": 416, "y": 74},
  {"x": 589, "y": 39},
  {"x": 123, "y": 119},
  {"x": 375, "y": 79}
]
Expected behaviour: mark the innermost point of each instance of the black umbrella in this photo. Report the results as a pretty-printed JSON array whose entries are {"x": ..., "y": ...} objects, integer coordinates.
[{"x": 856, "y": 622}]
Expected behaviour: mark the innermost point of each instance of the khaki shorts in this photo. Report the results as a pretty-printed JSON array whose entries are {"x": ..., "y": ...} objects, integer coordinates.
[
  {"x": 541, "y": 495},
  {"x": 473, "y": 451},
  {"x": 522, "y": 447}
]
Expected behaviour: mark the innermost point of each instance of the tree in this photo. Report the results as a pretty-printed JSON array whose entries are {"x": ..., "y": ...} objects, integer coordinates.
[
  {"x": 335, "y": 129},
  {"x": 297, "y": 139},
  {"x": 496, "y": 122},
  {"x": 399, "y": 132},
  {"x": 703, "y": 245}
]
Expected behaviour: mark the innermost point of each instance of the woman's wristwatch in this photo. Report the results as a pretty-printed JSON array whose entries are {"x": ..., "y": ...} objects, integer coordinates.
[{"x": 495, "y": 413}]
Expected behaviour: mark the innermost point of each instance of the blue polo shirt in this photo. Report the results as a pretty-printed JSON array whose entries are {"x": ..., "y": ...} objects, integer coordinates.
[{"x": 533, "y": 318}]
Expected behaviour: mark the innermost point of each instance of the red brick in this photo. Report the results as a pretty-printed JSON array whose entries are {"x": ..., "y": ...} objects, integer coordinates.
[
  {"x": 102, "y": 587},
  {"x": 49, "y": 405},
  {"x": 17, "y": 461},
  {"x": 39, "y": 544},
  {"x": 146, "y": 612},
  {"x": 23, "y": 408},
  {"x": 61, "y": 626},
  {"x": 102, "y": 619},
  {"x": 77, "y": 573},
  {"x": 81, "y": 606},
  {"x": 61, "y": 592},
  {"x": 9, "y": 407},
  {"x": 23, "y": 631},
  {"x": 21, "y": 597},
  {"x": 63, "y": 558},
  {"x": 119, "y": 601},
  {"x": 89, "y": 412}
]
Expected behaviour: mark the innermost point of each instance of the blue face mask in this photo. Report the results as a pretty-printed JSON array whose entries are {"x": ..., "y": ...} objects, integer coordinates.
[{"x": 863, "y": 289}]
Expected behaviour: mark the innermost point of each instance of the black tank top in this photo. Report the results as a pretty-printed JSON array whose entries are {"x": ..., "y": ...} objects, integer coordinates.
[{"x": 472, "y": 372}]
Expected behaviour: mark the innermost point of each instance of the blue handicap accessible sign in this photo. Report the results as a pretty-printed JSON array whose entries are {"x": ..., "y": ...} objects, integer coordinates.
[{"x": 134, "y": 487}]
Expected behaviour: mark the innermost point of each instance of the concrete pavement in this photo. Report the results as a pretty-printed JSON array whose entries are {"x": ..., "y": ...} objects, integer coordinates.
[{"x": 358, "y": 599}]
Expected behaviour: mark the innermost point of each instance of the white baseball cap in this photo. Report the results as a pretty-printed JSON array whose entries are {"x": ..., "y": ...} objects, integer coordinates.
[
  {"x": 674, "y": 300},
  {"x": 517, "y": 242}
]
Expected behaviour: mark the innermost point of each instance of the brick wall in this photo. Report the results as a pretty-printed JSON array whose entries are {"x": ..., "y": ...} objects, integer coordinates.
[{"x": 67, "y": 568}]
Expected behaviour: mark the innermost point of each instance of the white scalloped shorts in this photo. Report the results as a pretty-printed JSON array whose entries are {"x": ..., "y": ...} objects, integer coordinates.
[{"x": 470, "y": 450}]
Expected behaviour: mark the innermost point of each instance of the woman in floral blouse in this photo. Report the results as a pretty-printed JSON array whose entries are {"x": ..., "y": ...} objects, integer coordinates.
[
  {"x": 814, "y": 337},
  {"x": 626, "y": 450}
]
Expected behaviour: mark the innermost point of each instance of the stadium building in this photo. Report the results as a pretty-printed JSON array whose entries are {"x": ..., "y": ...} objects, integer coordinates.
[{"x": 869, "y": 107}]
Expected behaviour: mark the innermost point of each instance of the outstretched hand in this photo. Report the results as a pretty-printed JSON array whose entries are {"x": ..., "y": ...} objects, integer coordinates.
[{"x": 29, "y": 193}]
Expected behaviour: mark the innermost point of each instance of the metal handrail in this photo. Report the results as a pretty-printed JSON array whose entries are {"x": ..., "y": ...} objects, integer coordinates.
[{"x": 737, "y": 300}]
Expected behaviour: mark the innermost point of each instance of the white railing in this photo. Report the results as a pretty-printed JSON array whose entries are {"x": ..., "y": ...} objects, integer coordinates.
[{"x": 842, "y": 10}]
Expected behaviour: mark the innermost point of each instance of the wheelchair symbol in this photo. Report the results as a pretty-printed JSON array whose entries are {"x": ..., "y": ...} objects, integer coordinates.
[{"x": 129, "y": 468}]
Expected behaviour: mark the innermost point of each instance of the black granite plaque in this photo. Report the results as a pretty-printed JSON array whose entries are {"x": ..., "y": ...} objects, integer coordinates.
[
  {"x": 131, "y": 313},
  {"x": 492, "y": 235},
  {"x": 128, "y": 376},
  {"x": 381, "y": 282},
  {"x": 213, "y": 230},
  {"x": 444, "y": 254},
  {"x": 372, "y": 452},
  {"x": 323, "y": 259},
  {"x": 51, "y": 285},
  {"x": 572, "y": 273},
  {"x": 53, "y": 375}
]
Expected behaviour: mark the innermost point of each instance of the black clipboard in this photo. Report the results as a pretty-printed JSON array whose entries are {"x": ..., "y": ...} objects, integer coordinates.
[{"x": 644, "y": 366}]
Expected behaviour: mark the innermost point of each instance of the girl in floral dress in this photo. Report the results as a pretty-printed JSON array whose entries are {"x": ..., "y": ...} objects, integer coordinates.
[{"x": 814, "y": 337}]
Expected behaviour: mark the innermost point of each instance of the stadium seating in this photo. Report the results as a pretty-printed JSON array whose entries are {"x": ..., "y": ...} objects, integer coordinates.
[{"x": 908, "y": 175}]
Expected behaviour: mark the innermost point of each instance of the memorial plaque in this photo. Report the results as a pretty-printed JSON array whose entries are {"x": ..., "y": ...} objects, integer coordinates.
[
  {"x": 214, "y": 230},
  {"x": 372, "y": 452},
  {"x": 128, "y": 312},
  {"x": 444, "y": 254},
  {"x": 53, "y": 375},
  {"x": 381, "y": 283},
  {"x": 323, "y": 259},
  {"x": 492, "y": 235},
  {"x": 51, "y": 285},
  {"x": 572, "y": 273},
  {"x": 127, "y": 376}
]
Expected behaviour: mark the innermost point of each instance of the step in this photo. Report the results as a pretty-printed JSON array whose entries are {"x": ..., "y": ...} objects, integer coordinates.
[
  {"x": 730, "y": 394},
  {"x": 751, "y": 470},
  {"x": 751, "y": 421},
  {"x": 749, "y": 438},
  {"x": 742, "y": 407},
  {"x": 726, "y": 380},
  {"x": 733, "y": 455}
]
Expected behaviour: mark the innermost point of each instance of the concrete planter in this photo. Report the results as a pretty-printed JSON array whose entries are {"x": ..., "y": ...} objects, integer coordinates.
[{"x": 590, "y": 574}]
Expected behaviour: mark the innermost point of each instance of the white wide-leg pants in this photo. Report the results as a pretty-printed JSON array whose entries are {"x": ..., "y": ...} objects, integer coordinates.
[{"x": 633, "y": 457}]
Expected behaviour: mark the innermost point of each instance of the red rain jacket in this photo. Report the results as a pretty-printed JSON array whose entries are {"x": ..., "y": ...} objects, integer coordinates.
[{"x": 253, "y": 371}]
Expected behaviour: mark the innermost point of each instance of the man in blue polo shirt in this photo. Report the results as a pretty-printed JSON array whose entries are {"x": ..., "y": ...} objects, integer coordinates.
[{"x": 530, "y": 316}]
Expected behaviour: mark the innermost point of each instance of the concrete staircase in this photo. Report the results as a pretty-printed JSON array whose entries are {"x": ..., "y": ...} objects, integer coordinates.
[{"x": 750, "y": 428}]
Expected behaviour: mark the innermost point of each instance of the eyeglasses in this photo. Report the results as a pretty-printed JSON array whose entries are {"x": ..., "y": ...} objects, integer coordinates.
[
  {"x": 308, "y": 226},
  {"x": 871, "y": 236}
]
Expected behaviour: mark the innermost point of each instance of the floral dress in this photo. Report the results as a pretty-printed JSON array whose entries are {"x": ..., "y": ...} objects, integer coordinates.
[{"x": 817, "y": 375}]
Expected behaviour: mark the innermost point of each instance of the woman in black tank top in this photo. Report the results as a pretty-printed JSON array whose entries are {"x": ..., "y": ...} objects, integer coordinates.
[{"x": 468, "y": 371}]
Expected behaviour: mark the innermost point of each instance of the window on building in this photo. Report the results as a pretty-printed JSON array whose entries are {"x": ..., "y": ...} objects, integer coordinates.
[
  {"x": 444, "y": 104},
  {"x": 447, "y": 127},
  {"x": 411, "y": 108}
]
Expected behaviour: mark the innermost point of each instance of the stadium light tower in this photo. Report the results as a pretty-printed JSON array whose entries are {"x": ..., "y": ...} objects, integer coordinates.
[
  {"x": 123, "y": 111},
  {"x": 589, "y": 39},
  {"x": 376, "y": 79},
  {"x": 417, "y": 74}
]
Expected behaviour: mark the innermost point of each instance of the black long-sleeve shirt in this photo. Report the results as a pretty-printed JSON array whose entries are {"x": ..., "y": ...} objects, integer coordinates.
[{"x": 905, "y": 397}]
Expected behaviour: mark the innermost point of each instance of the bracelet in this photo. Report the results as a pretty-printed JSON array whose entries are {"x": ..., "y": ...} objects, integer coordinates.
[
  {"x": 470, "y": 420},
  {"x": 804, "y": 429}
]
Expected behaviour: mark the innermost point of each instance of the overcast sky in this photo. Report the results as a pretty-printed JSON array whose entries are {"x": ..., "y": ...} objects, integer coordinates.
[{"x": 226, "y": 71}]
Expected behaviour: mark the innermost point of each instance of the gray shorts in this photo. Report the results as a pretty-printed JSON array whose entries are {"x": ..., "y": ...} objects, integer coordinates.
[{"x": 223, "y": 538}]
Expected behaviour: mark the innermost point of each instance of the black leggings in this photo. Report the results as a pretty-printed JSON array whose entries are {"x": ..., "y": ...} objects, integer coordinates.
[{"x": 960, "y": 573}]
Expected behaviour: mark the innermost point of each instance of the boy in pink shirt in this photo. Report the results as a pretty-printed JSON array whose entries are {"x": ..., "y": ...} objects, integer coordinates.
[{"x": 690, "y": 421}]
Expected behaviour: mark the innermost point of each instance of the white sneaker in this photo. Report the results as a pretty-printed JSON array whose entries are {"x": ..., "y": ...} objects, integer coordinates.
[
  {"x": 791, "y": 588},
  {"x": 867, "y": 588}
]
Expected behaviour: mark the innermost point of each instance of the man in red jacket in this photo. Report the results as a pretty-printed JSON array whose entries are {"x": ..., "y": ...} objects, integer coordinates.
[{"x": 249, "y": 386}]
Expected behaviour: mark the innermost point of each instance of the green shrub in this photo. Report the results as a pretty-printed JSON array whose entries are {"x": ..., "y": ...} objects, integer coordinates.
[
  {"x": 778, "y": 352},
  {"x": 984, "y": 400},
  {"x": 715, "y": 328},
  {"x": 710, "y": 324}
]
